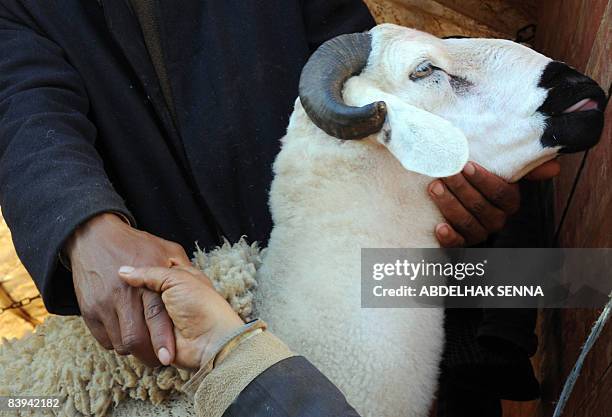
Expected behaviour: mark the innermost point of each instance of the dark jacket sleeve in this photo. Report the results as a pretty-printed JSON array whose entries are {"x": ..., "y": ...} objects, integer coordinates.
[
  {"x": 325, "y": 19},
  {"x": 262, "y": 377},
  {"x": 51, "y": 177},
  {"x": 292, "y": 387}
]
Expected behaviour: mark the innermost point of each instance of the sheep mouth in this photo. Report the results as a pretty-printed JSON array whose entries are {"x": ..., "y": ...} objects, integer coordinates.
[
  {"x": 582, "y": 97},
  {"x": 579, "y": 125},
  {"x": 577, "y": 130},
  {"x": 585, "y": 104}
]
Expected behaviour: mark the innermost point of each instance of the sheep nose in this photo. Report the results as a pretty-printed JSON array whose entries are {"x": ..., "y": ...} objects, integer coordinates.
[{"x": 567, "y": 87}]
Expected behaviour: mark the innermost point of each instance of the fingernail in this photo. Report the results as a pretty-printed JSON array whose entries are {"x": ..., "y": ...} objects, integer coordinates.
[
  {"x": 442, "y": 230},
  {"x": 164, "y": 356},
  {"x": 437, "y": 188},
  {"x": 126, "y": 270},
  {"x": 469, "y": 168}
]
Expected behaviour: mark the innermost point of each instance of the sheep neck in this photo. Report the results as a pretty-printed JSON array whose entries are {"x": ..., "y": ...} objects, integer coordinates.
[{"x": 355, "y": 192}]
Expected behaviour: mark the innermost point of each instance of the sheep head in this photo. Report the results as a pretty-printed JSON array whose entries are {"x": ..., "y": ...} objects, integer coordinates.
[{"x": 433, "y": 102}]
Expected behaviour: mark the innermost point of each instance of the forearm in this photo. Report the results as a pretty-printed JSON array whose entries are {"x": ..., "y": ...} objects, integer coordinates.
[
  {"x": 262, "y": 377},
  {"x": 215, "y": 392},
  {"x": 51, "y": 176}
]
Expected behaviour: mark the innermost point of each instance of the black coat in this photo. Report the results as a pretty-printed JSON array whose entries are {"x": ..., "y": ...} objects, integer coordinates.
[{"x": 85, "y": 128}]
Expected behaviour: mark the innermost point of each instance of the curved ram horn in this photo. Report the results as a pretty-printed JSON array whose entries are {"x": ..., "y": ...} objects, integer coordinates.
[{"x": 321, "y": 84}]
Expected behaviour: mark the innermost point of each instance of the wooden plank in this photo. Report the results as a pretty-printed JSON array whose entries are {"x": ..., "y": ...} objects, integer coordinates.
[
  {"x": 598, "y": 402},
  {"x": 502, "y": 15},
  {"x": 588, "y": 222},
  {"x": 580, "y": 32},
  {"x": 567, "y": 32},
  {"x": 430, "y": 16},
  {"x": 520, "y": 409},
  {"x": 595, "y": 365}
]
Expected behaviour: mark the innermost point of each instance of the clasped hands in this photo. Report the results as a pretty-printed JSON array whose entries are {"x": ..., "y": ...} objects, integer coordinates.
[{"x": 201, "y": 317}]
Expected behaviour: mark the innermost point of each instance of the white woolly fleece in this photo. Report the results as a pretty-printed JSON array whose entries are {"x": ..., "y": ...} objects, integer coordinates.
[{"x": 329, "y": 199}]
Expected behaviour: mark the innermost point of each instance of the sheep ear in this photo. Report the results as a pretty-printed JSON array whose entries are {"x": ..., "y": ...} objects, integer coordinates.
[{"x": 421, "y": 141}]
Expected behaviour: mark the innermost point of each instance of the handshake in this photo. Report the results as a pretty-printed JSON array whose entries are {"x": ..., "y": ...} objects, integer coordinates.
[{"x": 202, "y": 318}]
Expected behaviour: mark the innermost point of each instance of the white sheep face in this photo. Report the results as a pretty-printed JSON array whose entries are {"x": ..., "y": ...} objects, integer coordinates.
[{"x": 482, "y": 96}]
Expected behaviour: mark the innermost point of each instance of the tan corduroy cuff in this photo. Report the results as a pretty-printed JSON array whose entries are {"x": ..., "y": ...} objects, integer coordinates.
[{"x": 217, "y": 390}]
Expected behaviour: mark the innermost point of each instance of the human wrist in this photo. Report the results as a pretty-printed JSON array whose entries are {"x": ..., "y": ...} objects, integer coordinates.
[
  {"x": 92, "y": 228},
  {"x": 252, "y": 356},
  {"x": 211, "y": 345},
  {"x": 219, "y": 347}
]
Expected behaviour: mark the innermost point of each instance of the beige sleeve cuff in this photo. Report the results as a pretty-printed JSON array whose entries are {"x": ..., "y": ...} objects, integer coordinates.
[{"x": 213, "y": 393}]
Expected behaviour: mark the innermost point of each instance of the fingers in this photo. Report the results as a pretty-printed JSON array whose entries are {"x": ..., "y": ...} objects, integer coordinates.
[
  {"x": 475, "y": 203},
  {"x": 161, "y": 279},
  {"x": 491, "y": 217},
  {"x": 456, "y": 214},
  {"x": 158, "y": 322},
  {"x": 135, "y": 338},
  {"x": 545, "y": 171},
  {"x": 448, "y": 237},
  {"x": 160, "y": 327},
  {"x": 113, "y": 330},
  {"x": 109, "y": 335},
  {"x": 98, "y": 331},
  {"x": 497, "y": 191}
]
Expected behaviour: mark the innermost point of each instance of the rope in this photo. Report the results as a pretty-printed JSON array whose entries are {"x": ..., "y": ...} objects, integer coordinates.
[
  {"x": 573, "y": 376},
  {"x": 599, "y": 324}
]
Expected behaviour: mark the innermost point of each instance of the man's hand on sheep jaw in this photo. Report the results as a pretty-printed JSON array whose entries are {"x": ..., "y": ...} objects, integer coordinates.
[
  {"x": 476, "y": 203},
  {"x": 130, "y": 320}
]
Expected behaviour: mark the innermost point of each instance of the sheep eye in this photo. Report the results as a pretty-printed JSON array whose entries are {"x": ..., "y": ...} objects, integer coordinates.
[{"x": 423, "y": 70}]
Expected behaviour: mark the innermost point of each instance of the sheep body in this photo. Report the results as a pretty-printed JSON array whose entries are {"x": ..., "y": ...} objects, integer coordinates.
[{"x": 329, "y": 199}]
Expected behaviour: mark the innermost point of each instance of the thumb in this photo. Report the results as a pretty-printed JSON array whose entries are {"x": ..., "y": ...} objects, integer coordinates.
[{"x": 156, "y": 279}]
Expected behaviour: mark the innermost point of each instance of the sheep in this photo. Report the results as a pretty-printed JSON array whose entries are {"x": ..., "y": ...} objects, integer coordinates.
[{"x": 379, "y": 115}]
